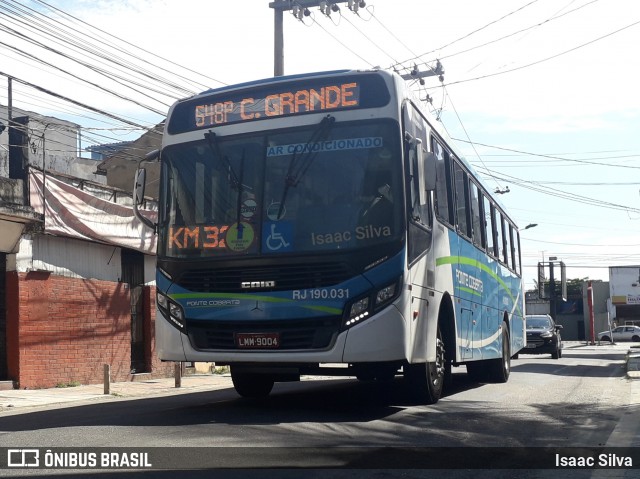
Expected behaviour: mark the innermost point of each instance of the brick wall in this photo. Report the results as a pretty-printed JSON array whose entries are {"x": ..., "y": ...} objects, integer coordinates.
[
  {"x": 12, "y": 305},
  {"x": 153, "y": 364},
  {"x": 63, "y": 330}
]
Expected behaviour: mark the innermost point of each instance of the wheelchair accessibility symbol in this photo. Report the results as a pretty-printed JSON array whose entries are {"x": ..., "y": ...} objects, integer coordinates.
[{"x": 276, "y": 240}]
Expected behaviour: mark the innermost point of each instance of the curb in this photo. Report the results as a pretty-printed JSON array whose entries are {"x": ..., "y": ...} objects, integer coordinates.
[
  {"x": 22, "y": 399},
  {"x": 633, "y": 363}
]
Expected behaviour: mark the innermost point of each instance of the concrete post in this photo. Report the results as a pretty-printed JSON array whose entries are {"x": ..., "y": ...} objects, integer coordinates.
[
  {"x": 107, "y": 379},
  {"x": 177, "y": 373}
]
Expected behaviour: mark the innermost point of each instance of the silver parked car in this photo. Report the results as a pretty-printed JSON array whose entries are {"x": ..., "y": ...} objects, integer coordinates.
[{"x": 621, "y": 333}]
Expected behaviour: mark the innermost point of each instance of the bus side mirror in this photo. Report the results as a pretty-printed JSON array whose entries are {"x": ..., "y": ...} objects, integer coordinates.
[
  {"x": 139, "y": 184},
  {"x": 430, "y": 171}
]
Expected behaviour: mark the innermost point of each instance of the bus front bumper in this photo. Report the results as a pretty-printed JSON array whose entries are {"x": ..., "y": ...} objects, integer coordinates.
[{"x": 383, "y": 337}]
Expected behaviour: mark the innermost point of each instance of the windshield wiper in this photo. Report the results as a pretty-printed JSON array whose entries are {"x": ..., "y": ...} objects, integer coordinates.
[
  {"x": 294, "y": 175},
  {"x": 236, "y": 183},
  {"x": 212, "y": 139},
  {"x": 239, "y": 199}
]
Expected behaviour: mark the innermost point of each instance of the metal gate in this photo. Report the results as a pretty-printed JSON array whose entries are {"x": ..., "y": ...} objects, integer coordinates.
[
  {"x": 133, "y": 275},
  {"x": 3, "y": 317}
]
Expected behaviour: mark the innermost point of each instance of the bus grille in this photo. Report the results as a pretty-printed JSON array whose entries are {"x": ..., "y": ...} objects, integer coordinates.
[
  {"x": 285, "y": 277},
  {"x": 316, "y": 333}
]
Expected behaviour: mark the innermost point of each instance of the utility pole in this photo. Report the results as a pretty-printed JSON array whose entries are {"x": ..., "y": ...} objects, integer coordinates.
[
  {"x": 278, "y": 37},
  {"x": 300, "y": 8},
  {"x": 592, "y": 317},
  {"x": 552, "y": 289}
]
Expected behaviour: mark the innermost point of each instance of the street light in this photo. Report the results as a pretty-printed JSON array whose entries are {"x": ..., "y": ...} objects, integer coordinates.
[{"x": 530, "y": 225}]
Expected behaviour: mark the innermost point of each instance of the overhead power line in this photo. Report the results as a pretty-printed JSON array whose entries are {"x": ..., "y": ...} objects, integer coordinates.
[
  {"x": 542, "y": 155},
  {"x": 75, "y": 102},
  {"x": 540, "y": 188},
  {"x": 522, "y": 67},
  {"x": 155, "y": 55},
  {"x": 96, "y": 85},
  {"x": 468, "y": 34},
  {"x": 504, "y": 37}
]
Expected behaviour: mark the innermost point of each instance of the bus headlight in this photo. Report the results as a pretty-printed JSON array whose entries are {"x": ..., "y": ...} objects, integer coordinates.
[
  {"x": 363, "y": 308},
  {"x": 359, "y": 311},
  {"x": 176, "y": 311},
  {"x": 172, "y": 311},
  {"x": 162, "y": 301},
  {"x": 385, "y": 294}
]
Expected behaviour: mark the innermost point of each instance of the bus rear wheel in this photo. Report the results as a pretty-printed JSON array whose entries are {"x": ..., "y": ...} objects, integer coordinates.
[
  {"x": 426, "y": 380},
  {"x": 493, "y": 370},
  {"x": 251, "y": 385},
  {"x": 500, "y": 368}
]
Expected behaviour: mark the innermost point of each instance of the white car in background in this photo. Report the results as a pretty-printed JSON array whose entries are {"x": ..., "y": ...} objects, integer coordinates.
[{"x": 621, "y": 333}]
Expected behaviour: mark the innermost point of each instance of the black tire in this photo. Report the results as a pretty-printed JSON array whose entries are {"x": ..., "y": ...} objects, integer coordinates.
[
  {"x": 426, "y": 380},
  {"x": 635, "y": 338},
  {"x": 477, "y": 371},
  {"x": 515, "y": 356},
  {"x": 555, "y": 354},
  {"x": 251, "y": 385},
  {"x": 605, "y": 338},
  {"x": 498, "y": 370}
]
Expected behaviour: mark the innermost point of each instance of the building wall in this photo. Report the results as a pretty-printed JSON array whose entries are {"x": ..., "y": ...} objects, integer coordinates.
[
  {"x": 60, "y": 141},
  {"x": 69, "y": 328},
  {"x": 625, "y": 294},
  {"x": 68, "y": 314},
  {"x": 69, "y": 257},
  {"x": 600, "y": 313},
  {"x": 64, "y": 330}
]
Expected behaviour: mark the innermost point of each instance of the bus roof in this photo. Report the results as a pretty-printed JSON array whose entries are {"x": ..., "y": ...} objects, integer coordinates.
[{"x": 271, "y": 80}]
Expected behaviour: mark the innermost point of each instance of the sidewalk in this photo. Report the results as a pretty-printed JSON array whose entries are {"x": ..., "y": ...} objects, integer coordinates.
[
  {"x": 632, "y": 350},
  {"x": 14, "y": 399}
]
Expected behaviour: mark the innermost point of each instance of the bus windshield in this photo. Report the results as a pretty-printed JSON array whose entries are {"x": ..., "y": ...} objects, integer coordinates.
[{"x": 326, "y": 187}]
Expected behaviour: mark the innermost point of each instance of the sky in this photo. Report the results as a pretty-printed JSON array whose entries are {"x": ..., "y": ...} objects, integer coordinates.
[{"x": 541, "y": 96}]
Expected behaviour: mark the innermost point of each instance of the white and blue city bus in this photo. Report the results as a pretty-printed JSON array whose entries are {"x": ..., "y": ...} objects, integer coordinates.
[{"x": 324, "y": 224}]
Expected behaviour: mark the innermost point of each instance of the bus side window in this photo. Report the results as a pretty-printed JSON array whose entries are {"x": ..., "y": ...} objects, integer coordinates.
[
  {"x": 496, "y": 218},
  {"x": 461, "y": 196},
  {"x": 487, "y": 226},
  {"x": 477, "y": 230},
  {"x": 508, "y": 259},
  {"x": 420, "y": 197},
  {"x": 515, "y": 242},
  {"x": 443, "y": 185}
]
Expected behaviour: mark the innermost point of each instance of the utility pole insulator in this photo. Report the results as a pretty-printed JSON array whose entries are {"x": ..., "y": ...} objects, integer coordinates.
[{"x": 417, "y": 75}]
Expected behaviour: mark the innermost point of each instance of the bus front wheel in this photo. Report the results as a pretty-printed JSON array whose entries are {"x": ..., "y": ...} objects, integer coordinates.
[
  {"x": 251, "y": 385},
  {"x": 426, "y": 380}
]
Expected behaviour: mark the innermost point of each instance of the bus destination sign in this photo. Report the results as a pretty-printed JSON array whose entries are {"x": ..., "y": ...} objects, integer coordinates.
[
  {"x": 278, "y": 100},
  {"x": 330, "y": 97}
]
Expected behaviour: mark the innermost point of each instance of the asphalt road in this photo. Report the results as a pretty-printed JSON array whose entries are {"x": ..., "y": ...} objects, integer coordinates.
[{"x": 582, "y": 400}]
